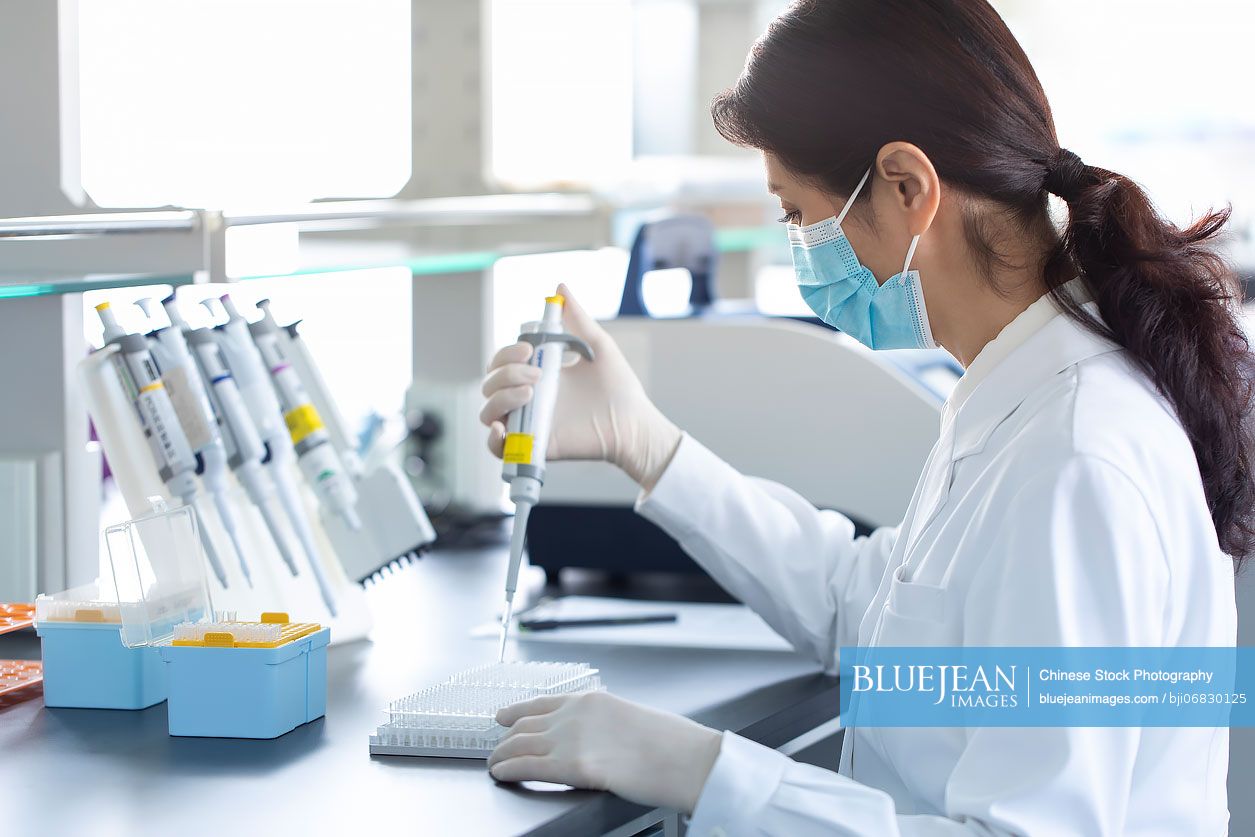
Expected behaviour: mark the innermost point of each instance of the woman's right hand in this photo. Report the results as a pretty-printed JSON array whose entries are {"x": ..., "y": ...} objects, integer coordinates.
[{"x": 602, "y": 410}]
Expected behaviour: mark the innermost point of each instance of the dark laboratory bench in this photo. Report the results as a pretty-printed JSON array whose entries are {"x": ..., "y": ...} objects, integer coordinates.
[{"x": 102, "y": 772}]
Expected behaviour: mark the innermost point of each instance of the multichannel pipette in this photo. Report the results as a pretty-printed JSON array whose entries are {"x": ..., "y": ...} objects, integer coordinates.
[
  {"x": 191, "y": 404},
  {"x": 527, "y": 436},
  {"x": 314, "y": 451},
  {"x": 141, "y": 379},
  {"x": 245, "y": 449},
  {"x": 253, "y": 380}
]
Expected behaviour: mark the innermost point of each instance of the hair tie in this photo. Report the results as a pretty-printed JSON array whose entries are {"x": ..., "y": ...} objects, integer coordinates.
[{"x": 1065, "y": 175}]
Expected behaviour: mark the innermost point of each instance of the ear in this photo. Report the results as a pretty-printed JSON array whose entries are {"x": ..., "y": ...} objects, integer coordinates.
[{"x": 916, "y": 187}]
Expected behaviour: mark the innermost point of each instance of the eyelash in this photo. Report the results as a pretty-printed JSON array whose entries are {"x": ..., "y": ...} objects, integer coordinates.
[{"x": 791, "y": 217}]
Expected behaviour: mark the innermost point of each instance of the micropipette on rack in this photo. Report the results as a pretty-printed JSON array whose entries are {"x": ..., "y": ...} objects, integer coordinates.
[
  {"x": 253, "y": 379},
  {"x": 245, "y": 449},
  {"x": 317, "y": 457},
  {"x": 140, "y": 377},
  {"x": 527, "y": 436},
  {"x": 307, "y": 370},
  {"x": 200, "y": 424}
]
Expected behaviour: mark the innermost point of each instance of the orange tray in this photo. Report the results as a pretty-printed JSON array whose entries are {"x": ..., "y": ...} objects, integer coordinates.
[
  {"x": 20, "y": 680},
  {"x": 14, "y": 617}
]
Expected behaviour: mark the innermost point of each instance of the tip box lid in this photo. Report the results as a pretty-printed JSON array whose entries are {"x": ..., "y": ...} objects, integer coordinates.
[{"x": 158, "y": 567}]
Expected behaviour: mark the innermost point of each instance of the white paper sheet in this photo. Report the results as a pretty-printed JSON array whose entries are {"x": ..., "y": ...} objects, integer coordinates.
[{"x": 698, "y": 625}]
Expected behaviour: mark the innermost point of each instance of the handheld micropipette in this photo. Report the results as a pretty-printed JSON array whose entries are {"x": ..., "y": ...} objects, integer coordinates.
[
  {"x": 314, "y": 451},
  {"x": 140, "y": 378},
  {"x": 527, "y": 436},
  {"x": 192, "y": 406},
  {"x": 253, "y": 379}
]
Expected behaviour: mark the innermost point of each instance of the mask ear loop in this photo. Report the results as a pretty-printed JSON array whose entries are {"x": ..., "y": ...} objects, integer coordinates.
[
  {"x": 910, "y": 254},
  {"x": 845, "y": 209}
]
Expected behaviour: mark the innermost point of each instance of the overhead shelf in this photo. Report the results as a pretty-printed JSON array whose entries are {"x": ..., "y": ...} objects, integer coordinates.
[
  {"x": 61, "y": 254},
  {"x": 98, "y": 224},
  {"x": 330, "y": 216},
  {"x": 67, "y": 254},
  {"x": 90, "y": 283}
]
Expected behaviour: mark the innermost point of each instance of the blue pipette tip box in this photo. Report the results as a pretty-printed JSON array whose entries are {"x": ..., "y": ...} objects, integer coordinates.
[
  {"x": 237, "y": 691},
  {"x": 225, "y": 678}
]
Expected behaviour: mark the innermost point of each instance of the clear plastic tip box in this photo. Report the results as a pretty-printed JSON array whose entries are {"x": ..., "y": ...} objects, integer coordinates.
[{"x": 226, "y": 678}]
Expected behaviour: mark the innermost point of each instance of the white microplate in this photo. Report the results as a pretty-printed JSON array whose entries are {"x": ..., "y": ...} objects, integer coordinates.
[{"x": 457, "y": 718}]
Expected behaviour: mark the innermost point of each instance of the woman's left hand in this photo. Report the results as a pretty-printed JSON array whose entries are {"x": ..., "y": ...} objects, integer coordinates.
[{"x": 599, "y": 741}]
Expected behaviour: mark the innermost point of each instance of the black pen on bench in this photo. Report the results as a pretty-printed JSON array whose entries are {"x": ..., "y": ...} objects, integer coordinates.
[{"x": 604, "y": 622}]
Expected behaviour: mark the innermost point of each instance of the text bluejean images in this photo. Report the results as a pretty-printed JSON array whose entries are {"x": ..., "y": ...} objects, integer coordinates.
[{"x": 899, "y": 686}]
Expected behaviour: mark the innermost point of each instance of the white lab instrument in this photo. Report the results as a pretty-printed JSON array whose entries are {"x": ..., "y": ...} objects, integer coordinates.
[
  {"x": 253, "y": 380},
  {"x": 527, "y": 435},
  {"x": 314, "y": 451},
  {"x": 246, "y": 451},
  {"x": 141, "y": 379},
  {"x": 191, "y": 402},
  {"x": 457, "y": 718},
  {"x": 1041, "y": 519}
]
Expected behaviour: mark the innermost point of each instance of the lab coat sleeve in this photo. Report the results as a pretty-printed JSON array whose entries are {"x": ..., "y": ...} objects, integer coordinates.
[
  {"x": 798, "y": 567},
  {"x": 1072, "y": 558}
]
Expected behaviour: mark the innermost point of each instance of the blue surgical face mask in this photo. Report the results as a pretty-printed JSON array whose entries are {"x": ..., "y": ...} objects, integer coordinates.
[{"x": 844, "y": 294}]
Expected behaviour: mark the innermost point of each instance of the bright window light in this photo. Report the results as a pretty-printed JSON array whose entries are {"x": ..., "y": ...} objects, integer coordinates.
[
  {"x": 1166, "y": 101},
  {"x": 561, "y": 74},
  {"x": 219, "y": 103},
  {"x": 521, "y": 283}
]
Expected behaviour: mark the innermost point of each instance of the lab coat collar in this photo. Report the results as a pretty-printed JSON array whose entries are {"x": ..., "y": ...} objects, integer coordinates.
[
  {"x": 1027, "y": 323},
  {"x": 1056, "y": 346}
]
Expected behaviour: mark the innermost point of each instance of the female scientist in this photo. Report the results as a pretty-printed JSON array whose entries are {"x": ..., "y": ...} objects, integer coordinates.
[{"x": 1092, "y": 484}]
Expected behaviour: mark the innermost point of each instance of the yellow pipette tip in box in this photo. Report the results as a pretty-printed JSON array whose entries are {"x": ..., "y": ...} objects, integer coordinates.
[
  {"x": 556, "y": 299},
  {"x": 272, "y": 631}
]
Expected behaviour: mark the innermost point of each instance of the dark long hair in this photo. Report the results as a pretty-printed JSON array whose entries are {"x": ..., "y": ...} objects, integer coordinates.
[{"x": 832, "y": 81}]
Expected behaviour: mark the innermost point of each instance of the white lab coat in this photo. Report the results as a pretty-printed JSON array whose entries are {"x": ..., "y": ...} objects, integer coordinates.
[{"x": 1061, "y": 505}]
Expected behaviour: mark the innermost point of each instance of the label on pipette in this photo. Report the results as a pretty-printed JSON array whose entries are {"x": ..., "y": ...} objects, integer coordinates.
[
  {"x": 156, "y": 424},
  {"x": 187, "y": 407},
  {"x": 518, "y": 449},
  {"x": 302, "y": 421}
]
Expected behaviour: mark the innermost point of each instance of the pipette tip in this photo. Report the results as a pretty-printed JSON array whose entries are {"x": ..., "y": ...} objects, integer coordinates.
[{"x": 505, "y": 628}]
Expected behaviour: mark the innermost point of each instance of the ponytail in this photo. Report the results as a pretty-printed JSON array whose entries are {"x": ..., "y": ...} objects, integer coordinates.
[{"x": 1171, "y": 302}]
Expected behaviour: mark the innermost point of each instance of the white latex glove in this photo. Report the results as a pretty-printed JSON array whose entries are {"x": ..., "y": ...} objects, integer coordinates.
[
  {"x": 602, "y": 410},
  {"x": 598, "y": 741}
]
